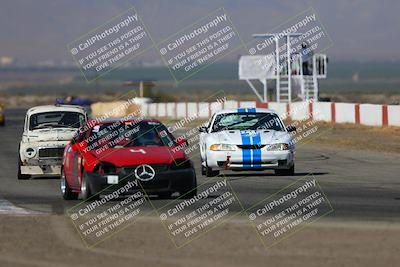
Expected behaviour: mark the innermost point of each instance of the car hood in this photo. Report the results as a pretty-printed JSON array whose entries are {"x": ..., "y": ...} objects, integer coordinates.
[
  {"x": 130, "y": 156},
  {"x": 238, "y": 137},
  {"x": 53, "y": 134}
]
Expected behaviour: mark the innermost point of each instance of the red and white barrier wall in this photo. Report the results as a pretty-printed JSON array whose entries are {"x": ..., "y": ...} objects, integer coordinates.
[{"x": 366, "y": 114}]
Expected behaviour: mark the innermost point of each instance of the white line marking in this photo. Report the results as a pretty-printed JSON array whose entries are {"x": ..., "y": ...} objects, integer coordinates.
[{"x": 7, "y": 208}]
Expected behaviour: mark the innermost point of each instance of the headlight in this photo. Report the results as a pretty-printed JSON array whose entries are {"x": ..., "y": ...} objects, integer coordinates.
[
  {"x": 278, "y": 147},
  {"x": 30, "y": 152},
  {"x": 222, "y": 147}
]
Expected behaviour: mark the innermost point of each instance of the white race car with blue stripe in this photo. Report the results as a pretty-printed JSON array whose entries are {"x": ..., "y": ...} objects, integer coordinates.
[{"x": 246, "y": 139}]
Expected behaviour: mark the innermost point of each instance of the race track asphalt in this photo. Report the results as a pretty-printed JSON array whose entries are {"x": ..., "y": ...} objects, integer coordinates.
[{"x": 361, "y": 185}]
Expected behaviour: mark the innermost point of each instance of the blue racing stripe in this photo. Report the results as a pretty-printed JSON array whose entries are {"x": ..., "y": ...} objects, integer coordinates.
[
  {"x": 257, "y": 152},
  {"x": 246, "y": 153}
]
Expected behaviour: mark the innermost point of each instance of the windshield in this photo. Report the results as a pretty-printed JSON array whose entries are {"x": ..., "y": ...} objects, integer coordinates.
[
  {"x": 129, "y": 134},
  {"x": 56, "y": 119},
  {"x": 247, "y": 121}
]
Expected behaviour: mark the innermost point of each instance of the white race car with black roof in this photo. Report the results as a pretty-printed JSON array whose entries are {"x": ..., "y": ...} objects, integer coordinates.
[
  {"x": 247, "y": 139},
  {"x": 47, "y": 130}
]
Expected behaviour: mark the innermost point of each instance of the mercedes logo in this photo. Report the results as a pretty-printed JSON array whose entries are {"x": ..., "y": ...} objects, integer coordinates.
[{"x": 144, "y": 172}]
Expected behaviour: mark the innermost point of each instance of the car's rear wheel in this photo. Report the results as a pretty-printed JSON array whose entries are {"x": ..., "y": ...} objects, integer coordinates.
[
  {"x": 20, "y": 175},
  {"x": 65, "y": 189},
  {"x": 285, "y": 172}
]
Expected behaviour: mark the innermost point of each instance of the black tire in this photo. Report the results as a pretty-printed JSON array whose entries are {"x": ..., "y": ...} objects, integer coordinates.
[
  {"x": 189, "y": 194},
  {"x": 65, "y": 189},
  {"x": 288, "y": 172},
  {"x": 20, "y": 175},
  {"x": 164, "y": 195},
  {"x": 86, "y": 191},
  {"x": 203, "y": 170},
  {"x": 211, "y": 173}
]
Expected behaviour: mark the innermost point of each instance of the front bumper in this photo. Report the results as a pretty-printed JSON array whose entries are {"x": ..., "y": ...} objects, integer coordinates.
[
  {"x": 169, "y": 181},
  {"x": 42, "y": 167},
  {"x": 47, "y": 160},
  {"x": 234, "y": 160}
]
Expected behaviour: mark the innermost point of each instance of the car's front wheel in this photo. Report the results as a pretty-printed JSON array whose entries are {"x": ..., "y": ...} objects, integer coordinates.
[
  {"x": 285, "y": 172},
  {"x": 203, "y": 170},
  {"x": 65, "y": 189},
  {"x": 211, "y": 173},
  {"x": 188, "y": 194},
  {"x": 207, "y": 171},
  {"x": 164, "y": 195},
  {"x": 86, "y": 191}
]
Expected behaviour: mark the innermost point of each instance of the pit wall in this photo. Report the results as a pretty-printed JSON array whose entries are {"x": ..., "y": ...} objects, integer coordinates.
[{"x": 365, "y": 114}]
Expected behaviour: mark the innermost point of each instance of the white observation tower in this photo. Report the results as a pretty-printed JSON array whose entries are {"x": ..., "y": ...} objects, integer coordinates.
[{"x": 295, "y": 73}]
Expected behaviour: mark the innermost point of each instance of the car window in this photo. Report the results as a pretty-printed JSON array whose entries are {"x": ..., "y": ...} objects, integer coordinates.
[
  {"x": 247, "y": 121},
  {"x": 56, "y": 119},
  {"x": 129, "y": 134}
]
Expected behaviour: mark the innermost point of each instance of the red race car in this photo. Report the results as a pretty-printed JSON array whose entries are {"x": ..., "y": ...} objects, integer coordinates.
[{"x": 108, "y": 155}]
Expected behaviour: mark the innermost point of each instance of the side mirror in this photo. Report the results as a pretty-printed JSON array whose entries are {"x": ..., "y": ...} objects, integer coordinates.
[
  {"x": 182, "y": 142},
  {"x": 291, "y": 128},
  {"x": 202, "y": 129},
  {"x": 75, "y": 140}
]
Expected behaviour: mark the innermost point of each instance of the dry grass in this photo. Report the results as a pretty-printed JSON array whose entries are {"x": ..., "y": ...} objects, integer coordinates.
[
  {"x": 344, "y": 136},
  {"x": 360, "y": 137}
]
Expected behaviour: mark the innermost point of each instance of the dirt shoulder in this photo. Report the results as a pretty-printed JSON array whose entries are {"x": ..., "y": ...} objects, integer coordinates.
[
  {"x": 52, "y": 241},
  {"x": 357, "y": 137}
]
